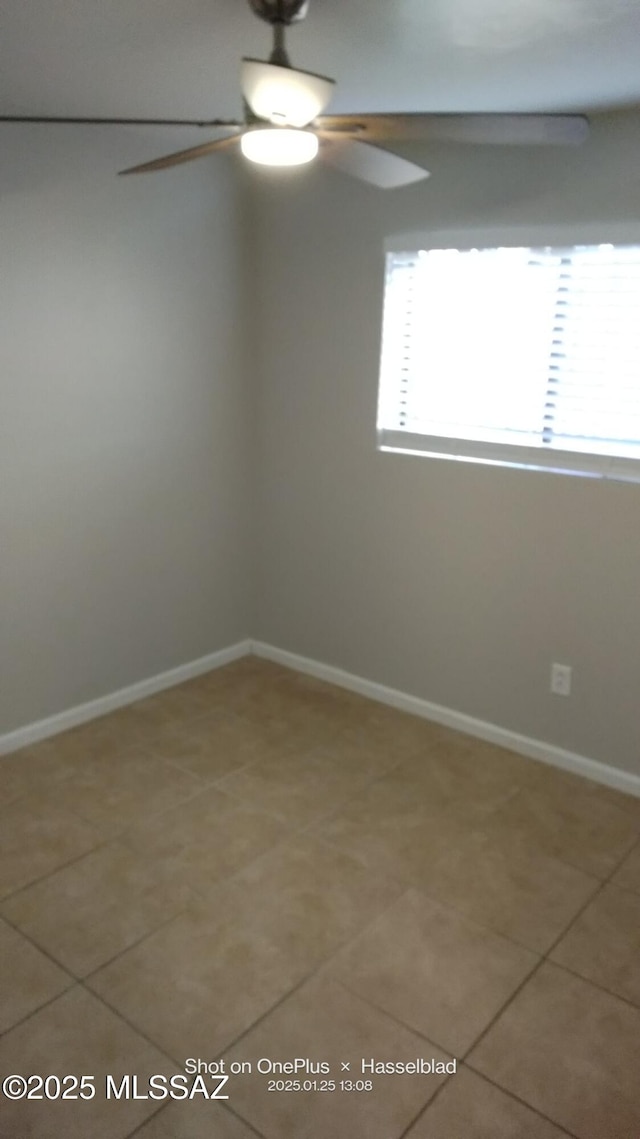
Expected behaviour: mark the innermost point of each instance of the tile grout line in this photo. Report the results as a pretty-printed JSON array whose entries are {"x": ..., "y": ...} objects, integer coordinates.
[
  {"x": 314, "y": 972},
  {"x": 298, "y": 831},
  {"x": 317, "y": 970},
  {"x": 407, "y": 885},
  {"x": 44, "y": 1005},
  {"x": 103, "y": 840},
  {"x": 415, "y": 1032},
  {"x": 157, "y": 1047},
  {"x": 395, "y": 1019},
  {"x": 50, "y": 873},
  {"x": 600, "y": 885},
  {"x": 223, "y": 1051},
  {"x": 603, "y": 883},
  {"x": 503, "y": 1091},
  {"x": 75, "y": 979},
  {"x": 134, "y": 1028},
  {"x": 113, "y": 838},
  {"x": 198, "y": 897},
  {"x": 205, "y": 785},
  {"x": 139, "y": 1127},
  {"x": 223, "y": 1107},
  {"x": 569, "y": 864},
  {"x": 544, "y": 959},
  {"x": 439, "y": 1047},
  {"x": 302, "y": 831}
]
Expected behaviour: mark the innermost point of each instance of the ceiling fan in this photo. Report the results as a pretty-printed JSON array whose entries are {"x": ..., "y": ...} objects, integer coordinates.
[{"x": 284, "y": 124}]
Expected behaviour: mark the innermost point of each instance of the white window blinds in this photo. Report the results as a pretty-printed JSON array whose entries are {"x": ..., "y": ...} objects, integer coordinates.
[{"x": 515, "y": 355}]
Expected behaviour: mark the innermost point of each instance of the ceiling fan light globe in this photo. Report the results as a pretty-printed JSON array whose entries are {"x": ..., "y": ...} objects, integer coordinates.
[
  {"x": 284, "y": 95},
  {"x": 279, "y": 146}
]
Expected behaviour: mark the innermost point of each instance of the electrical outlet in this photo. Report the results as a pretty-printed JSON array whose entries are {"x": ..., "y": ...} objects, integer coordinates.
[{"x": 561, "y": 679}]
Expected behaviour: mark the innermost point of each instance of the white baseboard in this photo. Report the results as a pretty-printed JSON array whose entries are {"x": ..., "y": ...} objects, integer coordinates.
[
  {"x": 72, "y": 717},
  {"x": 525, "y": 745}
]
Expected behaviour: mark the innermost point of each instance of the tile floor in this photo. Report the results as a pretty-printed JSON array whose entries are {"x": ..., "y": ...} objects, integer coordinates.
[{"x": 256, "y": 866}]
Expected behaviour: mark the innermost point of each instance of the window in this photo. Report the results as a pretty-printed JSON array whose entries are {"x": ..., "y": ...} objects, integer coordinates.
[{"x": 518, "y": 356}]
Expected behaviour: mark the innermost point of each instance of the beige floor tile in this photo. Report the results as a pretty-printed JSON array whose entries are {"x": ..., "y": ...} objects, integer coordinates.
[
  {"x": 309, "y": 709},
  {"x": 106, "y": 737},
  {"x": 628, "y": 874},
  {"x": 324, "y": 1023},
  {"x": 603, "y": 945},
  {"x": 423, "y": 850},
  {"x": 392, "y": 721},
  {"x": 395, "y": 834},
  {"x": 357, "y": 751},
  {"x": 460, "y": 786},
  {"x": 115, "y": 793},
  {"x": 179, "y": 704},
  {"x": 307, "y": 898},
  {"x": 77, "y": 1035},
  {"x": 452, "y": 854},
  {"x": 237, "y": 683},
  {"x": 289, "y": 725},
  {"x": 429, "y": 843},
  {"x": 195, "y": 1119},
  {"x": 86, "y": 913},
  {"x": 468, "y": 767},
  {"x": 384, "y": 799},
  {"x": 296, "y": 788},
  {"x": 571, "y": 1051},
  {"x": 583, "y": 830},
  {"x": 306, "y": 687},
  {"x": 35, "y": 768},
  {"x": 325, "y": 707},
  {"x": 564, "y": 784},
  {"x": 260, "y": 693},
  {"x": 428, "y": 966},
  {"x": 18, "y": 776},
  {"x": 509, "y": 887},
  {"x": 213, "y": 746},
  {"x": 37, "y": 837},
  {"x": 387, "y": 733},
  {"x": 245, "y": 669},
  {"x": 29, "y": 979},
  {"x": 196, "y": 984},
  {"x": 206, "y": 839},
  {"x": 470, "y": 1108}
]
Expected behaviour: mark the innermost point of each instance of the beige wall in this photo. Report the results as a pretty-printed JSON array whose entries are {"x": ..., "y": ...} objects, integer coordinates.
[
  {"x": 124, "y": 478},
  {"x": 165, "y": 352},
  {"x": 457, "y": 583}
]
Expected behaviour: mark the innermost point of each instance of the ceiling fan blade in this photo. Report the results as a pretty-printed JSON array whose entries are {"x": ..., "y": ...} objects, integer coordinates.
[
  {"x": 210, "y": 124},
  {"x": 184, "y": 155},
  {"x": 491, "y": 129},
  {"x": 370, "y": 163}
]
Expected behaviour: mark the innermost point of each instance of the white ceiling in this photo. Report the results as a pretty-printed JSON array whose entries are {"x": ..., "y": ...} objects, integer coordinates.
[{"x": 179, "y": 58}]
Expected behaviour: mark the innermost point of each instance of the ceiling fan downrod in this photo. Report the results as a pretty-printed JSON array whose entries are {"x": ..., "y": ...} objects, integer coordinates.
[{"x": 279, "y": 54}]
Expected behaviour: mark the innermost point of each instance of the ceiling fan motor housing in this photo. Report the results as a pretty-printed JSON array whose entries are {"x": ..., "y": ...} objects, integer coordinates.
[{"x": 280, "y": 11}]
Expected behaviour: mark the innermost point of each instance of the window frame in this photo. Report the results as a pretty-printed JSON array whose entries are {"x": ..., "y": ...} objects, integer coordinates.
[{"x": 555, "y": 461}]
